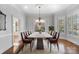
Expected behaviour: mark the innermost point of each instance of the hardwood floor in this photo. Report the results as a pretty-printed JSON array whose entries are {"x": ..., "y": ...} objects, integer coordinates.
[
  {"x": 9, "y": 51},
  {"x": 65, "y": 47},
  {"x": 69, "y": 47}
]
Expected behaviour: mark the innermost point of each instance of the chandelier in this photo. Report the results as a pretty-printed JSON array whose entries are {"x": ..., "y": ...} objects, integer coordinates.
[{"x": 39, "y": 20}]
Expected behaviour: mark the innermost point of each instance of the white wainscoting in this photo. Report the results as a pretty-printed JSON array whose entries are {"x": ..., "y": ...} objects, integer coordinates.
[{"x": 5, "y": 42}]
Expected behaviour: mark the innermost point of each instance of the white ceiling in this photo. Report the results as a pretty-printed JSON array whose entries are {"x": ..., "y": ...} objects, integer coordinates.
[{"x": 45, "y": 8}]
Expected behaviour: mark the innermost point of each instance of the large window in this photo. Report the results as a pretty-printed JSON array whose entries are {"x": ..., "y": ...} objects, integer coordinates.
[
  {"x": 69, "y": 24},
  {"x": 61, "y": 24},
  {"x": 77, "y": 25},
  {"x": 72, "y": 24},
  {"x": 74, "y": 18}
]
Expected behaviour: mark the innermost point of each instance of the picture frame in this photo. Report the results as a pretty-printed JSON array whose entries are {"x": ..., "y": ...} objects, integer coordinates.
[{"x": 2, "y": 21}]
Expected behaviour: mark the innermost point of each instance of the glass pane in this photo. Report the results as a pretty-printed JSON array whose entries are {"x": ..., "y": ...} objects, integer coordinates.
[
  {"x": 70, "y": 24},
  {"x": 77, "y": 25},
  {"x": 61, "y": 24}
]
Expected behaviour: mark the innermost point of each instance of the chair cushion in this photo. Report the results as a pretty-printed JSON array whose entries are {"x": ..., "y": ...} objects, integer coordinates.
[
  {"x": 53, "y": 41},
  {"x": 27, "y": 41}
]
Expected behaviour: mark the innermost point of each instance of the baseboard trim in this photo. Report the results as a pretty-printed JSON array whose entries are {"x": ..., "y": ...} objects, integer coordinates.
[{"x": 9, "y": 51}]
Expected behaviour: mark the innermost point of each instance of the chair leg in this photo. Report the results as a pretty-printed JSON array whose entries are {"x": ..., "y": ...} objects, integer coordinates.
[
  {"x": 24, "y": 46},
  {"x": 32, "y": 43},
  {"x": 22, "y": 49},
  {"x": 31, "y": 47},
  {"x": 48, "y": 44},
  {"x": 50, "y": 47},
  {"x": 58, "y": 46}
]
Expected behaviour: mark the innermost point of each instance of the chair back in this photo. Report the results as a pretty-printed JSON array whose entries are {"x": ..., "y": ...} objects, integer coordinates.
[
  {"x": 25, "y": 34},
  {"x": 57, "y": 36},
  {"x": 54, "y": 35},
  {"x": 22, "y": 36}
]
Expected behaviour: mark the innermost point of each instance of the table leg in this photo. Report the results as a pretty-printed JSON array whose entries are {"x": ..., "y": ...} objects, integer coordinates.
[{"x": 40, "y": 43}]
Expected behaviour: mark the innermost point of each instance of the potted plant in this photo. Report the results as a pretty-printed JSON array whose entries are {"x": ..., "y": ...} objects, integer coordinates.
[{"x": 51, "y": 29}]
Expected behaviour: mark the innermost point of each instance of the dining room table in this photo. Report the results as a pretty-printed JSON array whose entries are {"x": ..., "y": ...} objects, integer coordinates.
[{"x": 40, "y": 36}]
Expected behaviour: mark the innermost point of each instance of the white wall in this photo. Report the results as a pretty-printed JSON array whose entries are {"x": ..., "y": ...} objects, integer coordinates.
[
  {"x": 30, "y": 21},
  {"x": 6, "y": 36}
]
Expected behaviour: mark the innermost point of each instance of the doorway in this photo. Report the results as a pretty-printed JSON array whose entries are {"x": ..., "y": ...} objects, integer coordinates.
[{"x": 16, "y": 32}]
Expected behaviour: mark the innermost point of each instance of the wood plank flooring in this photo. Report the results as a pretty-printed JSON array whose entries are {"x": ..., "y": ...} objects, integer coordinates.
[{"x": 65, "y": 47}]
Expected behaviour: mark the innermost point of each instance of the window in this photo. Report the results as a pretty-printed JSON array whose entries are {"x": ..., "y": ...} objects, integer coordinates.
[
  {"x": 72, "y": 24},
  {"x": 77, "y": 25},
  {"x": 61, "y": 24},
  {"x": 69, "y": 24}
]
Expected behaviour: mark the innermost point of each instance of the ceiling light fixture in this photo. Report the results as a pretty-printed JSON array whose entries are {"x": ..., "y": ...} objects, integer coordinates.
[
  {"x": 39, "y": 20},
  {"x": 25, "y": 7}
]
